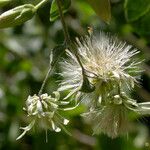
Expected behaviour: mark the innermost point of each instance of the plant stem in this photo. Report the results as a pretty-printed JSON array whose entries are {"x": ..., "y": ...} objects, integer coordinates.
[
  {"x": 45, "y": 80},
  {"x": 65, "y": 29},
  {"x": 67, "y": 42},
  {"x": 66, "y": 35},
  {"x": 40, "y": 4}
]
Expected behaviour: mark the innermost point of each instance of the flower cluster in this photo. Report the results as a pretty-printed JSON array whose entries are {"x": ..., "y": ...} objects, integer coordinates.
[
  {"x": 101, "y": 74},
  {"x": 111, "y": 67},
  {"x": 43, "y": 111}
]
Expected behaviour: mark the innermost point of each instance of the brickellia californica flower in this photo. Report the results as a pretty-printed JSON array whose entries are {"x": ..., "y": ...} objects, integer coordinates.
[
  {"x": 43, "y": 111},
  {"x": 111, "y": 66}
]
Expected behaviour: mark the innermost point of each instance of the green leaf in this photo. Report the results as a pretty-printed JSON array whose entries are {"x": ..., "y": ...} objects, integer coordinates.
[
  {"x": 4, "y": 2},
  {"x": 142, "y": 25},
  {"x": 136, "y": 9},
  {"x": 102, "y": 9},
  {"x": 54, "y": 13},
  {"x": 17, "y": 16}
]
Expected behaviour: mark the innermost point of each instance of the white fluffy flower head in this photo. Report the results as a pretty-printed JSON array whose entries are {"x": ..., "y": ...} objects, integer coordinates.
[
  {"x": 111, "y": 68},
  {"x": 104, "y": 59}
]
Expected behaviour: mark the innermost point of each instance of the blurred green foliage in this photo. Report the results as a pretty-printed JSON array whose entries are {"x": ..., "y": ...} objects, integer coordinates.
[{"x": 24, "y": 59}]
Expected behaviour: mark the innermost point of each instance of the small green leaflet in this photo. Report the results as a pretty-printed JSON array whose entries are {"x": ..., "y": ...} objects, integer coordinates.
[
  {"x": 54, "y": 13},
  {"x": 136, "y": 9},
  {"x": 102, "y": 9}
]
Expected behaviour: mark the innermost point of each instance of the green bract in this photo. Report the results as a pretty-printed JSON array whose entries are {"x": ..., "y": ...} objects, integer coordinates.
[{"x": 17, "y": 16}]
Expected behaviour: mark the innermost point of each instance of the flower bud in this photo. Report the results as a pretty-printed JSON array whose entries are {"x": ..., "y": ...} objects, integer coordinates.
[{"x": 17, "y": 16}]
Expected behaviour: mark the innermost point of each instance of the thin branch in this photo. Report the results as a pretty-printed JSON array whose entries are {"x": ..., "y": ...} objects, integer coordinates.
[
  {"x": 67, "y": 42},
  {"x": 67, "y": 37},
  {"x": 45, "y": 80},
  {"x": 65, "y": 29}
]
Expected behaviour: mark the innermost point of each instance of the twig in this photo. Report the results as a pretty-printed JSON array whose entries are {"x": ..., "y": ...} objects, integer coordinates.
[
  {"x": 65, "y": 29},
  {"x": 45, "y": 80},
  {"x": 67, "y": 37}
]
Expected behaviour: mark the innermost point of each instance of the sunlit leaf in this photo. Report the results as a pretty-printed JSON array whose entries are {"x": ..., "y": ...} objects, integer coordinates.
[
  {"x": 102, "y": 9},
  {"x": 4, "y": 2}
]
